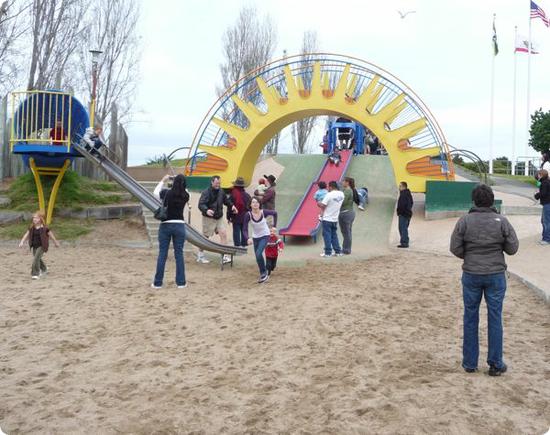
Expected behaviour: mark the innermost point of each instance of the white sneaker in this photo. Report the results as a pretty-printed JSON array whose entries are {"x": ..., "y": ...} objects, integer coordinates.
[
  {"x": 543, "y": 242},
  {"x": 263, "y": 278},
  {"x": 338, "y": 255},
  {"x": 183, "y": 286},
  {"x": 226, "y": 259},
  {"x": 325, "y": 255},
  {"x": 35, "y": 277},
  {"x": 155, "y": 286},
  {"x": 361, "y": 208},
  {"x": 202, "y": 259}
]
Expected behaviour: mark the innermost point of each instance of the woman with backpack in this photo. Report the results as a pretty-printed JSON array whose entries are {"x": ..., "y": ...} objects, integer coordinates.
[{"x": 172, "y": 228}]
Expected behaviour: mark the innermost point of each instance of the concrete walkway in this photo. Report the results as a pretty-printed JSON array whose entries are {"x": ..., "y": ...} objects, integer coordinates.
[{"x": 530, "y": 264}]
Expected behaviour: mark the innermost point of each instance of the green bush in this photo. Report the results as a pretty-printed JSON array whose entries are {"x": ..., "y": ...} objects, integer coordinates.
[{"x": 64, "y": 229}]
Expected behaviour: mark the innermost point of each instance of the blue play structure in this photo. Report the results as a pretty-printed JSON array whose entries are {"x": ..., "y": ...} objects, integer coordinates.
[
  {"x": 357, "y": 135},
  {"x": 35, "y": 116}
]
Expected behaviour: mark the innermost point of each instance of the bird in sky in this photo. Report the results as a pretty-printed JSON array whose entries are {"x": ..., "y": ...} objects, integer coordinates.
[
  {"x": 4, "y": 8},
  {"x": 404, "y": 14}
]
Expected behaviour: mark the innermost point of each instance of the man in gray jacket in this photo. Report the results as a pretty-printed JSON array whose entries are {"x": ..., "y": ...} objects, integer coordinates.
[{"x": 481, "y": 238}]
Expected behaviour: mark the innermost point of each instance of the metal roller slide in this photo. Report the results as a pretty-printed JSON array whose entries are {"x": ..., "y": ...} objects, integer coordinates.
[{"x": 152, "y": 203}]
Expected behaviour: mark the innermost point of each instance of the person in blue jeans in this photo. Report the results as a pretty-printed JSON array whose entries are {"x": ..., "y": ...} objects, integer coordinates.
[
  {"x": 172, "y": 229},
  {"x": 543, "y": 195},
  {"x": 331, "y": 204},
  {"x": 260, "y": 233},
  {"x": 481, "y": 238}
]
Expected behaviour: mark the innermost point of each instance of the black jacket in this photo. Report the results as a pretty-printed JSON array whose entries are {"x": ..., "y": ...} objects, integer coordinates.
[
  {"x": 544, "y": 191},
  {"x": 481, "y": 238},
  {"x": 405, "y": 203},
  {"x": 212, "y": 199}
]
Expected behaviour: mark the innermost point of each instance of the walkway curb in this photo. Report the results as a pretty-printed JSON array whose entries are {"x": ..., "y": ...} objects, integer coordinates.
[{"x": 543, "y": 294}]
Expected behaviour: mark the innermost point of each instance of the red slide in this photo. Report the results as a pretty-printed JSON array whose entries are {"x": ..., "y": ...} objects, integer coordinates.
[{"x": 305, "y": 221}]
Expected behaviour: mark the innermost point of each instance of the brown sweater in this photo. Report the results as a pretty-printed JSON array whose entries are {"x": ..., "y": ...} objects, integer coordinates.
[{"x": 44, "y": 237}]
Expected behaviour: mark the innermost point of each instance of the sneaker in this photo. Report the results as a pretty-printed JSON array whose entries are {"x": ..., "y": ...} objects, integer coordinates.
[
  {"x": 35, "y": 277},
  {"x": 361, "y": 208},
  {"x": 183, "y": 286},
  {"x": 325, "y": 255},
  {"x": 467, "y": 370},
  {"x": 543, "y": 242},
  {"x": 402, "y": 246},
  {"x": 202, "y": 259},
  {"x": 339, "y": 254},
  {"x": 226, "y": 259},
  {"x": 263, "y": 278},
  {"x": 155, "y": 286},
  {"x": 493, "y": 371}
]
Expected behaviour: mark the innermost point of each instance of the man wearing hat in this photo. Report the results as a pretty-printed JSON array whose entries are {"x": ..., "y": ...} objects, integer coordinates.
[
  {"x": 268, "y": 199},
  {"x": 241, "y": 201}
]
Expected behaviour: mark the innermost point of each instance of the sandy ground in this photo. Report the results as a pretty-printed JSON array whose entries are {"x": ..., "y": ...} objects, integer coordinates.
[{"x": 329, "y": 347}]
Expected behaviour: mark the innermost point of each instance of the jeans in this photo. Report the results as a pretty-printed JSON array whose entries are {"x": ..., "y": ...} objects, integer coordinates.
[
  {"x": 176, "y": 233},
  {"x": 238, "y": 235},
  {"x": 363, "y": 197},
  {"x": 330, "y": 236},
  {"x": 404, "y": 230},
  {"x": 493, "y": 287},
  {"x": 545, "y": 220},
  {"x": 259, "y": 247},
  {"x": 37, "y": 263},
  {"x": 345, "y": 219}
]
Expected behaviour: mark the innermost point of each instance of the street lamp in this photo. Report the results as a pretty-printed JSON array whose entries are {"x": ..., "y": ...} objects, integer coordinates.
[{"x": 95, "y": 58}]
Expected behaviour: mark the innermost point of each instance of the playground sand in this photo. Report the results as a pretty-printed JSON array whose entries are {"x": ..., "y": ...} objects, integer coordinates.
[{"x": 366, "y": 347}]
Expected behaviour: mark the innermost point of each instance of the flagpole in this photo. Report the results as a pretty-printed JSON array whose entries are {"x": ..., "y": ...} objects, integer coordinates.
[
  {"x": 528, "y": 96},
  {"x": 491, "y": 119},
  {"x": 514, "y": 103}
]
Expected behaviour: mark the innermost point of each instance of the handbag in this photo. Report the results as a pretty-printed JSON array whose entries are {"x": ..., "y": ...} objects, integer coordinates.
[{"x": 161, "y": 213}]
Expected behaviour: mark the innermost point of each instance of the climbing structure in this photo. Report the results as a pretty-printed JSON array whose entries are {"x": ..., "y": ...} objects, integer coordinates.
[{"x": 252, "y": 111}]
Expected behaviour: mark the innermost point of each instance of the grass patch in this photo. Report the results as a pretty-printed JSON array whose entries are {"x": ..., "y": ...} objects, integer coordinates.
[
  {"x": 75, "y": 192},
  {"x": 522, "y": 178},
  {"x": 64, "y": 229}
]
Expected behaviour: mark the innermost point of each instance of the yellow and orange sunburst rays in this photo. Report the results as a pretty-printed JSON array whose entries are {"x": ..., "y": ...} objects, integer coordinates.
[{"x": 410, "y": 164}]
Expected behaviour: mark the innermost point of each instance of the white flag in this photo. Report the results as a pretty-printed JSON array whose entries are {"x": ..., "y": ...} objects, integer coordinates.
[{"x": 522, "y": 45}]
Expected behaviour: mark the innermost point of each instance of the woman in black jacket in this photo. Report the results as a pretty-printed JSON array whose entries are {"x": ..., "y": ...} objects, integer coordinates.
[
  {"x": 172, "y": 229},
  {"x": 543, "y": 195}
]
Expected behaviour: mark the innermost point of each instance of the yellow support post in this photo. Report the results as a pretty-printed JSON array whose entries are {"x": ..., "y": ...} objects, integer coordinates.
[
  {"x": 34, "y": 170},
  {"x": 55, "y": 188}
]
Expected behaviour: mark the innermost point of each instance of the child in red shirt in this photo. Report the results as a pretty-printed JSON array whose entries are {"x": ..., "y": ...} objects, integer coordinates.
[{"x": 274, "y": 246}]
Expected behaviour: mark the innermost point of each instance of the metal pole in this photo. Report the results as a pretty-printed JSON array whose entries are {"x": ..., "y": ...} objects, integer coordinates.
[
  {"x": 528, "y": 95},
  {"x": 94, "y": 85},
  {"x": 491, "y": 119},
  {"x": 514, "y": 106}
]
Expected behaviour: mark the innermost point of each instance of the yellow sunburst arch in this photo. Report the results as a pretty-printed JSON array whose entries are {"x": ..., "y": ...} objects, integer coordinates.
[{"x": 294, "y": 88}]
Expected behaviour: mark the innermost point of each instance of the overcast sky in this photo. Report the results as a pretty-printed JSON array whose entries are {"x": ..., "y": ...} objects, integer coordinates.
[{"x": 443, "y": 52}]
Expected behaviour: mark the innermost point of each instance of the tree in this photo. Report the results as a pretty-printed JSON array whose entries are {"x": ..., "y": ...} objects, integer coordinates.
[
  {"x": 540, "y": 131},
  {"x": 247, "y": 45},
  {"x": 57, "y": 31},
  {"x": 301, "y": 129},
  {"x": 12, "y": 29},
  {"x": 112, "y": 28}
]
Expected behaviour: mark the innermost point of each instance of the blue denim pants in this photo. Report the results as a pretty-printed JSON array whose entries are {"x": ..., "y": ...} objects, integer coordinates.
[
  {"x": 259, "y": 247},
  {"x": 176, "y": 233},
  {"x": 238, "y": 235},
  {"x": 545, "y": 220},
  {"x": 363, "y": 197},
  {"x": 404, "y": 222},
  {"x": 330, "y": 236},
  {"x": 493, "y": 288}
]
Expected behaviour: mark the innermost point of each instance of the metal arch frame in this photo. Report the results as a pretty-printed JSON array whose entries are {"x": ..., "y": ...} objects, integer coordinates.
[
  {"x": 481, "y": 166},
  {"x": 386, "y": 76}
]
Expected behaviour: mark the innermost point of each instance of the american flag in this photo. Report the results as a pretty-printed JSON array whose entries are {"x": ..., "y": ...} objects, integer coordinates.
[{"x": 537, "y": 12}]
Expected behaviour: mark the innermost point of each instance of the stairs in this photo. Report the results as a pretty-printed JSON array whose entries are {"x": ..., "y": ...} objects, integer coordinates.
[{"x": 151, "y": 224}]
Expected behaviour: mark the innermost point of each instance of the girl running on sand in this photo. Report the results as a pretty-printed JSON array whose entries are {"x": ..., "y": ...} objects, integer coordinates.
[{"x": 38, "y": 236}]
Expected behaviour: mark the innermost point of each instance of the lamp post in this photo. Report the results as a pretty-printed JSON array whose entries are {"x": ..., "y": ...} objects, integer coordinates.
[{"x": 95, "y": 57}]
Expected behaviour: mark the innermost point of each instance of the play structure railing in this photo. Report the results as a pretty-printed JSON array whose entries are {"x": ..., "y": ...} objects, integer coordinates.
[
  {"x": 41, "y": 118},
  {"x": 332, "y": 66}
]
